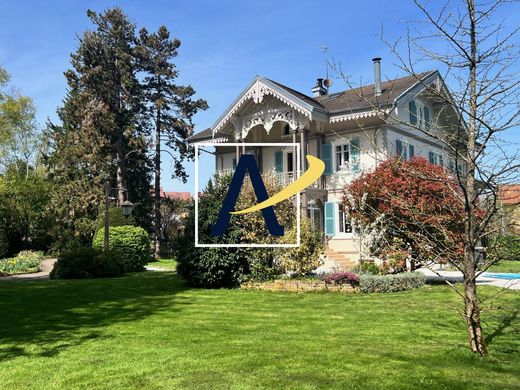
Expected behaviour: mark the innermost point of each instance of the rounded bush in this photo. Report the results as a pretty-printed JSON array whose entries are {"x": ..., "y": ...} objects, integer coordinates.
[
  {"x": 86, "y": 262},
  {"x": 131, "y": 243}
]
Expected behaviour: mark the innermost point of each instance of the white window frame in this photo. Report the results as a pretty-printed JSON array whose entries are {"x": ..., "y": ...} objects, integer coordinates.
[
  {"x": 335, "y": 158},
  {"x": 340, "y": 234}
]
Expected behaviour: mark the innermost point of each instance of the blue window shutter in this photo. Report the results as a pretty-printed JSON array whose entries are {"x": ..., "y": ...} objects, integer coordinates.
[
  {"x": 427, "y": 118},
  {"x": 278, "y": 161},
  {"x": 411, "y": 151},
  {"x": 330, "y": 228},
  {"x": 441, "y": 161},
  {"x": 326, "y": 157},
  {"x": 413, "y": 112},
  {"x": 234, "y": 163},
  {"x": 354, "y": 154},
  {"x": 431, "y": 157},
  {"x": 398, "y": 147}
]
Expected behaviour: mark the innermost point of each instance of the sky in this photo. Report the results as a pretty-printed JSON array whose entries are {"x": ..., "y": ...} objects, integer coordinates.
[{"x": 225, "y": 44}]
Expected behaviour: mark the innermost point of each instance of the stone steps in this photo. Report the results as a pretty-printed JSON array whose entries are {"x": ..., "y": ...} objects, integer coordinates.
[{"x": 343, "y": 259}]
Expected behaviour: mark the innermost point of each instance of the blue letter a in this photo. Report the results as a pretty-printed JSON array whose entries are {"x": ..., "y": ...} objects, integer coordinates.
[{"x": 246, "y": 163}]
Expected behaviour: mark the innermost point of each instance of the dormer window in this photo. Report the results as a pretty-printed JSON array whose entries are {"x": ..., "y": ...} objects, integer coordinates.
[
  {"x": 412, "y": 107},
  {"x": 426, "y": 118}
]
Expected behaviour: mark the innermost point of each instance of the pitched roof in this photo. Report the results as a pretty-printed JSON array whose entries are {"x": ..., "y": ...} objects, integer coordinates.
[
  {"x": 347, "y": 101},
  {"x": 175, "y": 195},
  {"x": 207, "y": 135},
  {"x": 363, "y": 98},
  {"x": 509, "y": 194},
  {"x": 312, "y": 101}
]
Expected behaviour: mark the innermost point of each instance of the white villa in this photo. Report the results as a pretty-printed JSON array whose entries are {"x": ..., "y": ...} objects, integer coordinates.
[{"x": 344, "y": 129}]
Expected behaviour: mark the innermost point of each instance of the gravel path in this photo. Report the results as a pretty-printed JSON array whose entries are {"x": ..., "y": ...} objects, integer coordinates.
[{"x": 42, "y": 275}]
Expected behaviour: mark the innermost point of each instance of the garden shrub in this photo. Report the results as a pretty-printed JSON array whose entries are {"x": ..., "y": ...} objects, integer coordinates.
[
  {"x": 130, "y": 242},
  {"x": 390, "y": 283},
  {"x": 86, "y": 262},
  {"x": 367, "y": 268},
  {"x": 341, "y": 278},
  {"x": 212, "y": 267},
  {"x": 306, "y": 258},
  {"x": 23, "y": 262}
]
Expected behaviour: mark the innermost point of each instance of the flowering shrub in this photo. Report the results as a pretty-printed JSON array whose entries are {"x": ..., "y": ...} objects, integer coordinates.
[
  {"x": 24, "y": 262},
  {"x": 341, "y": 278}
]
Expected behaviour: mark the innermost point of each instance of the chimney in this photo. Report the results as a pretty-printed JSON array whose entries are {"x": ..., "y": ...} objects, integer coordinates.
[
  {"x": 377, "y": 76},
  {"x": 319, "y": 89}
]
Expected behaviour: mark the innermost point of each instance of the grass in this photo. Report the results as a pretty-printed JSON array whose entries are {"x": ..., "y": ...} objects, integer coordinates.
[
  {"x": 505, "y": 266},
  {"x": 150, "y": 330},
  {"x": 164, "y": 264}
]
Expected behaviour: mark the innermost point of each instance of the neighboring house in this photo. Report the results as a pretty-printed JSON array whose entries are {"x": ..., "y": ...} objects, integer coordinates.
[
  {"x": 183, "y": 198},
  {"x": 509, "y": 196},
  {"x": 343, "y": 129}
]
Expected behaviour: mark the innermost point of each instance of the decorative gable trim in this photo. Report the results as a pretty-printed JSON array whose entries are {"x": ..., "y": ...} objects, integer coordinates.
[
  {"x": 357, "y": 115},
  {"x": 256, "y": 91}
]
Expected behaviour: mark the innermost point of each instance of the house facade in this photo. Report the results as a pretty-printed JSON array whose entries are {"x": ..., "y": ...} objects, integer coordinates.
[{"x": 349, "y": 131}]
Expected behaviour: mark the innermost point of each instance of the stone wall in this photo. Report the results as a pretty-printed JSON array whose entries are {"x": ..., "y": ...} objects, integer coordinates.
[{"x": 293, "y": 285}]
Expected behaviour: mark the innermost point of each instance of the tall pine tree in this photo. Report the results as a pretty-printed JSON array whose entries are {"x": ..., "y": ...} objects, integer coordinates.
[
  {"x": 101, "y": 135},
  {"x": 169, "y": 107}
]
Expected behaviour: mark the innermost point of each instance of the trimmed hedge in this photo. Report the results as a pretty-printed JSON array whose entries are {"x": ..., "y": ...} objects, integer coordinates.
[
  {"x": 86, "y": 262},
  {"x": 115, "y": 218},
  {"x": 390, "y": 283},
  {"x": 131, "y": 243}
]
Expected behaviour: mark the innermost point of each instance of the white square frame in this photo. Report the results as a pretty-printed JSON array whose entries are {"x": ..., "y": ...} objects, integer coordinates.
[{"x": 196, "y": 196}]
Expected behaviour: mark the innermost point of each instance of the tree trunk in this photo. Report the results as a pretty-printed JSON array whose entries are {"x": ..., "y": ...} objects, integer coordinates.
[
  {"x": 472, "y": 315},
  {"x": 120, "y": 169},
  {"x": 120, "y": 158},
  {"x": 471, "y": 307},
  {"x": 157, "y": 194}
]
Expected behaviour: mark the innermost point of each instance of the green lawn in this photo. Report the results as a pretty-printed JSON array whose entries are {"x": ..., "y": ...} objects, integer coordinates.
[
  {"x": 165, "y": 264},
  {"x": 505, "y": 266},
  {"x": 152, "y": 331}
]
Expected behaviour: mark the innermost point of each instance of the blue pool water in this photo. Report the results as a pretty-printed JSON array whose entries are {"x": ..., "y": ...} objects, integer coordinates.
[{"x": 503, "y": 276}]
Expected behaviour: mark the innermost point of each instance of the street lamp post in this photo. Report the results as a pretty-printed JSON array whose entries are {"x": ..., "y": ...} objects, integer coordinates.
[{"x": 127, "y": 207}]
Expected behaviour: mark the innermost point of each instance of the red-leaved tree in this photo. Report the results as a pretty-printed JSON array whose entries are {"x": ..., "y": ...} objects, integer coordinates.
[{"x": 410, "y": 207}]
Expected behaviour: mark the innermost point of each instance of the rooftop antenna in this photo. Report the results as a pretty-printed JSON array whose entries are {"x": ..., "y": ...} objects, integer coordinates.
[{"x": 327, "y": 81}]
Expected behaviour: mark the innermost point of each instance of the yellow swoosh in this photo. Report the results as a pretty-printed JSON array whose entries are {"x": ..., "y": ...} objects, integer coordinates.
[{"x": 316, "y": 168}]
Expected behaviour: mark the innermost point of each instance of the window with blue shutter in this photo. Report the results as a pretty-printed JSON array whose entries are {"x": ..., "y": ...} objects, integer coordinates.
[
  {"x": 278, "y": 161},
  {"x": 413, "y": 112},
  {"x": 411, "y": 151},
  {"x": 354, "y": 155},
  {"x": 398, "y": 147},
  {"x": 326, "y": 157},
  {"x": 431, "y": 157},
  {"x": 441, "y": 160},
  {"x": 234, "y": 163},
  {"x": 330, "y": 226},
  {"x": 427, "y": 118}
]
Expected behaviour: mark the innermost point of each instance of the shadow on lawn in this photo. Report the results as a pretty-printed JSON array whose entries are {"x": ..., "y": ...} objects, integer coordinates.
[{"x": 55, "y": 315}]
